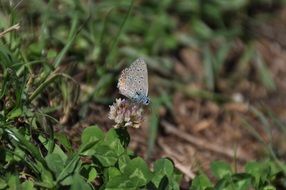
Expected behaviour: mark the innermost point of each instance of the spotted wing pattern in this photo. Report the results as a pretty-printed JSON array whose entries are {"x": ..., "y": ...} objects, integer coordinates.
[{"x": 133, "y": 80}]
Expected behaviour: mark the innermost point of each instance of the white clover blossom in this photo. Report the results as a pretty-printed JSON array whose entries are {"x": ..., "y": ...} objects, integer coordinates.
[{"x": 126, "y": 114}]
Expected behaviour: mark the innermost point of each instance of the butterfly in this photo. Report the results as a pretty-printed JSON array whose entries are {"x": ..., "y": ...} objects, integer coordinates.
[{"x": 133, "y": 82}]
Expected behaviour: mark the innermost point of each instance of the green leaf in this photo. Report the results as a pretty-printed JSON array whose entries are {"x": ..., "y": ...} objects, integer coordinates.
[
  {"x": 224, "y": 183},
  {"x": 220, "y": 169},
  {"x": 92, "y": 175},
  {"x": 201, "y": 29},
  {"x": 242, "y": 181},
  {"x": 138, "y": 171},
  {"x": 90, "y": 134},
  {"x": 13, "y": 182},
  {"x": 135, "y": 175},
  {"x": 121, "y": 182},
  {"x": 164, "y": 166},
  {"x": 90, "y": 137},
  {"x": 123, "y": 161},
  {"x": 88, "y": 149},
  {"x": 176, "y": 179},
  {"x": 57, "y": 150},
  {"x": 243, "y": 184},
  {"x": 234, "y": 5},
  {"x": 3, "y": 184},
  {"x": 55, "y": 163},
  {"x": 239, "y": 181},
  {"x": 108, "y": 151},
  {"x": 72, "y": 165},
  {"x": 63, "y": 139},
  {"x": 89, "y": 172},
  {"x": 67, "y": 180},
  {"x": 111, "y": 172},
  {"x": 261, "y": 171},
  {"x": 116, "y": 146},
  {"x": 46, "y": 176},
  {"x": 51, "y": 54},
  {"x": 112, "y": 139},
  {"x": 106, "y": 156},
  {"x": 20, "y": 154},
  {"x": 79, "y": 183},
  {"x": 15, "y": 113},
  {"x": 25, "y": 144},
  {"x": 269, "y": 187},
  {"x": 163, "y": 169},
  {"x": 27, "y": 185},
  {"x": 201, "y": 182}
]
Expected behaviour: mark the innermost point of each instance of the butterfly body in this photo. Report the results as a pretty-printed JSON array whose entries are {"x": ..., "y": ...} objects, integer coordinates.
[
  {"x": 133, "y": 82},
  {"x": 141, "y": 99}
]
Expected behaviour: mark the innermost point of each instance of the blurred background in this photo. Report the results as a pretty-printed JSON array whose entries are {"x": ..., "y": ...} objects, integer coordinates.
[{"x": 217, "y": 72}]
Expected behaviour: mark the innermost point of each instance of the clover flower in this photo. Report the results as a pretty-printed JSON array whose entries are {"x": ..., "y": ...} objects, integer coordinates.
[{"x": 126, "y": 114}]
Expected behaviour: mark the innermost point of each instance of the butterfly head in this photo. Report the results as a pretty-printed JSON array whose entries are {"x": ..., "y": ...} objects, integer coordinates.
[{"x": 146, "y": 100}]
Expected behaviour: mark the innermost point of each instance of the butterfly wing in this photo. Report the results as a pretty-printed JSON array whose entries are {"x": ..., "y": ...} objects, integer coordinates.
[
  {"x": 134, "y": 80},
  {"x": 140, "y": 76},
  {"x": 124, "y": 84}
]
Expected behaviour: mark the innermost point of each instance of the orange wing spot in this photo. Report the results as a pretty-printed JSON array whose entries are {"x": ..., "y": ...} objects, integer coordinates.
[{"x": 121, "y": 82}]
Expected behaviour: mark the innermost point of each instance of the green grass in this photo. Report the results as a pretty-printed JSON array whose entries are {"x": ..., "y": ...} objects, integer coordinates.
[{"x": 68, "y": 54}]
